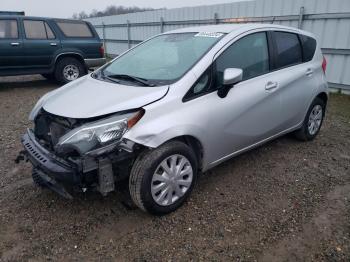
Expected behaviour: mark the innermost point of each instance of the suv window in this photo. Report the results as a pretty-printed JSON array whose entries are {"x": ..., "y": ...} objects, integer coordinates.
[
  {"x": 309, "y": 47},
  {"x": 8, "y": 29},
  {"x": 35, "y": 29},
  {"x": 50, "y": 34},
  {"x": 288, "y": 49},
  {"x": 74, "y": 29},
  {"x": 249, "y": 53}
]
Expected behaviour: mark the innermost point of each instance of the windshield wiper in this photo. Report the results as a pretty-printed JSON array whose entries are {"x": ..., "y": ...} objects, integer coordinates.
[{"x": 143, "y": 81}]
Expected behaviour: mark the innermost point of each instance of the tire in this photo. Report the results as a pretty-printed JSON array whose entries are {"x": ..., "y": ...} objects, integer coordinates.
[
  {"x": 37, "y": 179},
  {"x": 305, "y": 133},
  {"x": 144, "y": 180},
  {"x": 69, "y": 69}
]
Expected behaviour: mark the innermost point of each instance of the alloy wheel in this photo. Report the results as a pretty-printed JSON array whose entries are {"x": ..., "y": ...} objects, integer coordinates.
[{"x": 315, "y": 119}]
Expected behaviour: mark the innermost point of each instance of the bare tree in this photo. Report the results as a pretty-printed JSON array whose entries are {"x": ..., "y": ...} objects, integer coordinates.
[{"x": 110, "y": 10}]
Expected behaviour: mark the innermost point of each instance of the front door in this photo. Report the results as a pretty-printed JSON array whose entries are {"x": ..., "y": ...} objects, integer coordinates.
[{"x": 250, "y": 112}]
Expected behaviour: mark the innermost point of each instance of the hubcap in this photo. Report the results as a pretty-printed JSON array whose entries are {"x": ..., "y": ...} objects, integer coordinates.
[
  {"x": 71, "y": 72},
  {"x": 172, "y": 179},
  {"x": 315, "y": 119}
]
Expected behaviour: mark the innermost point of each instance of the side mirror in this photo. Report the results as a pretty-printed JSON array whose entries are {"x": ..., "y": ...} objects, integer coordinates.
[{"x": 231, "y": 77}]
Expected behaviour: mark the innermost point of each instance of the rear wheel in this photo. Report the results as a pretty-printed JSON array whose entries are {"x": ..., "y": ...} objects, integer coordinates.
[
  {"x": 162, "y": 179},
  {"x": 69, "y": 69},
  {"x": 313, "y": 121}
]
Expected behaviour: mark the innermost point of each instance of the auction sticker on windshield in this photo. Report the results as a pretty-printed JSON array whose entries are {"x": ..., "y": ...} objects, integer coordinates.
[{"x": 209, "y": 34}]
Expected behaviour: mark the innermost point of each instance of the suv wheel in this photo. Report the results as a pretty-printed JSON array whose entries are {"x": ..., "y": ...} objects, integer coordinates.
[
  {"x": 161, "y": 179},
  {"x": 313, "y": 121},
  {"x": 69, "y": 69}
]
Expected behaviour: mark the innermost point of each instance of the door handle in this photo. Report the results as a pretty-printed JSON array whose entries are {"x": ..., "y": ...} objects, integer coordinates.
[
  {"x": 53, "y": 44},
  {"x": 309, "y": 72},
  {"x": 15, "y": 44},
  {"x": 271, "y": 85}
]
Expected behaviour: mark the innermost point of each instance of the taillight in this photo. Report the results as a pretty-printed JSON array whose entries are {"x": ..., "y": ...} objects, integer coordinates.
[
  {"x": 324, "y": 64},
  {"x": 102, "y": 51}
]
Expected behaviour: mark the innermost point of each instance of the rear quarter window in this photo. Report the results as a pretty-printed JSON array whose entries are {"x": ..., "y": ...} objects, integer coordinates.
[
  {"x": 309, "y": 47},
  {"x": 75, "y": 29}
]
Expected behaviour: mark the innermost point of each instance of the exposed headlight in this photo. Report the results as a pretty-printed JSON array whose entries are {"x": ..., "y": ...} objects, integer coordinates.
[{"x": 100, "y": 133}]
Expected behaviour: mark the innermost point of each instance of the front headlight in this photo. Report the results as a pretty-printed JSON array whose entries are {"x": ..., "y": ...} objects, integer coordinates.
[{"x": 100, "y": 133}]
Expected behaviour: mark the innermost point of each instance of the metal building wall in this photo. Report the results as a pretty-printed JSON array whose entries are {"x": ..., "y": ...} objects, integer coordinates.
[{"x": 329, "y": 20}]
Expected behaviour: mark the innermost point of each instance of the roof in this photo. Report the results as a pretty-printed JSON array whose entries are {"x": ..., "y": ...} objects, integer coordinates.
[
  {"x": 14, "y": 16},
  {"x": 228, "y": 28}
]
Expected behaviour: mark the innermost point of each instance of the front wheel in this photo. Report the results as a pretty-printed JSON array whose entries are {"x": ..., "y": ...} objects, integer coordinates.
[
  {"x": 313, "y": 121},
  {"x": 161, "y": 179}
]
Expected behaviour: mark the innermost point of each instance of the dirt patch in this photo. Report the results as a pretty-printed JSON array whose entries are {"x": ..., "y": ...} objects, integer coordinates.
[{"x": 285, "y": 201}]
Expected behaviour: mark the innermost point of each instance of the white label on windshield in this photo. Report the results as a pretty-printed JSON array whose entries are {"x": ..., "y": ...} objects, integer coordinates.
[{"x": 209, "y": 34}]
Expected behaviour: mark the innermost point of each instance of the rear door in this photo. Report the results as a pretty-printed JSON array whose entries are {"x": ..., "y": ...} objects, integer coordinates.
[
  {"x": 40, "y": 43},
  {"x": 295, "y": 77},
  {"x": 11, "y": 45}
]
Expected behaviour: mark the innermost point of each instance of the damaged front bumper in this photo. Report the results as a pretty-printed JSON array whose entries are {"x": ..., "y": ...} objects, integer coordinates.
[
  {"x": 59, "y": 174},
  {"x": 54, "y": 171}
]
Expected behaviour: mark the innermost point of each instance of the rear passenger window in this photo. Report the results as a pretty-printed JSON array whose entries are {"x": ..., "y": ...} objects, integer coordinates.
[
  {"x": 288, "y": 49},
  {"x": 249, "y": 53},
  {"x": 35, "y": 29},
  {"x": 74, "y": 29},
  {"x": 8, "y": 29},
  {"x": 309, "y": 47},
  {"x": 50, "y": 34}
]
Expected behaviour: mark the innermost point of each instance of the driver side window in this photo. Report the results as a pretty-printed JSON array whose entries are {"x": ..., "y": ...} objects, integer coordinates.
[{"x": 249, "y": 53}]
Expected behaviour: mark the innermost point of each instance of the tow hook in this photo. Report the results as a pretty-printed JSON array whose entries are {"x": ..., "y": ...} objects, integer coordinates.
[{"x": 22, "y": 156}]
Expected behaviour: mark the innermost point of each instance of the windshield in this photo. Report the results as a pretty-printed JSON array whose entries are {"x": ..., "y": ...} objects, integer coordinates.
[{"x": 163, "y": 59}]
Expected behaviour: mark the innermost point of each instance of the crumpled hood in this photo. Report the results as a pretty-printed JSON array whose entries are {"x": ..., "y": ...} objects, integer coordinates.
[{"x": 88, "y": 97}]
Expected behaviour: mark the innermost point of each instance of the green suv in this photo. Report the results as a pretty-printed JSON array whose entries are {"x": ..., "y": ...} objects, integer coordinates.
[{"x": 58, "y": 49}]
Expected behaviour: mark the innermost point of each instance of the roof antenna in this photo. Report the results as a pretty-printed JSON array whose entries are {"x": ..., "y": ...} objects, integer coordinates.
[{"x": 273, "y": 19}]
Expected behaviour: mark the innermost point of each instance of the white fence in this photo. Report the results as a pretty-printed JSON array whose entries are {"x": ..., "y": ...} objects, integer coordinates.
[{"x": 328, "y": 19}]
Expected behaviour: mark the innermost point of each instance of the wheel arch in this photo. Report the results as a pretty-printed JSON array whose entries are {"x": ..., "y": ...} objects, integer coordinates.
[
  {"x": 77, "y": 56},
  {"x": 323, "y": 96},
  {"x": 195, "y": 144}
]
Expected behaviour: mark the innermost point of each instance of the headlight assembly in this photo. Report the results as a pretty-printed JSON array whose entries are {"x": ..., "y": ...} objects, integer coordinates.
[{"x": 100, "y": 133}]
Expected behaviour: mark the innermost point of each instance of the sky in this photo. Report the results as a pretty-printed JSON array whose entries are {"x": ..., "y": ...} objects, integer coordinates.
[{"x": 66, "y": 8}]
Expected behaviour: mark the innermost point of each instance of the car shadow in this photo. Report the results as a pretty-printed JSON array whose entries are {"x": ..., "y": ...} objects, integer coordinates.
[{"x": 30, "y": 81}]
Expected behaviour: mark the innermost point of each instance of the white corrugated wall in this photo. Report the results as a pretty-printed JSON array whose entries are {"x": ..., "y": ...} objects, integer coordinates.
[{"x": 333, "y": 33}]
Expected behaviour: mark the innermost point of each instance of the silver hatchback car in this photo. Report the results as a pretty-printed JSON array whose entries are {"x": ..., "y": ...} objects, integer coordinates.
[{"x": 175, "y": 105}]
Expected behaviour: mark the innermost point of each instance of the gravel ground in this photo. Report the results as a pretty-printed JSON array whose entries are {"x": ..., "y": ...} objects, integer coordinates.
[{"x": 285, "y": 201}]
